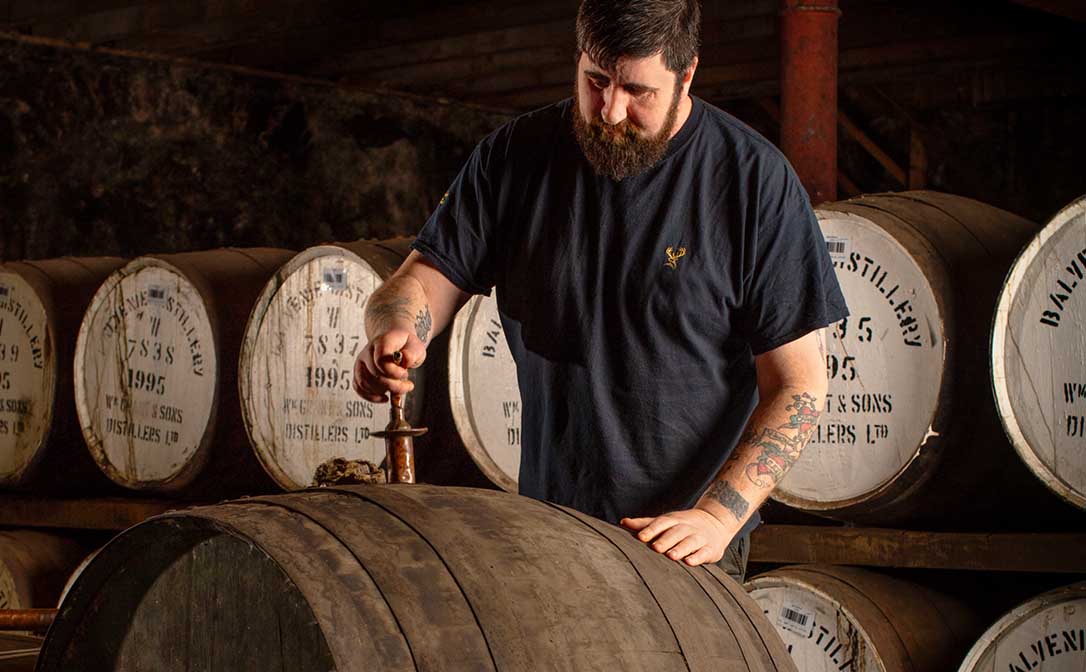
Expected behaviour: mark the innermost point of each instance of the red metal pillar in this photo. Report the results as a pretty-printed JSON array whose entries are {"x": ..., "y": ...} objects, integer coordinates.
[{"x": 809, "y": 93}]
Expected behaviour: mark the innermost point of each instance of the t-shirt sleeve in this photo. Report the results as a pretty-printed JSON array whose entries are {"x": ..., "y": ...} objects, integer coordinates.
[
  {"x": 458, "y": 238},
  {"x": 792, "y": 287}
]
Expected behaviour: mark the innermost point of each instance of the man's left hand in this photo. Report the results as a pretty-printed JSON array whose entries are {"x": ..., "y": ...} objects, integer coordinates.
[{"x": 693, "y": 536}]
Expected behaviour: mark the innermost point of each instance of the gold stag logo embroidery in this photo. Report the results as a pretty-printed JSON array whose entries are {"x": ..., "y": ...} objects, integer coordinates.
[{"x": 673, "y": 257}]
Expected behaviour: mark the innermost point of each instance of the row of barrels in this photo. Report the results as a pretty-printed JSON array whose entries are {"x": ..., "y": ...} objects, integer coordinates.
[
  {"x": 131, "y": 370},
  {"x": 965, "y": 329},
  {"x": 429, "y": 578}
]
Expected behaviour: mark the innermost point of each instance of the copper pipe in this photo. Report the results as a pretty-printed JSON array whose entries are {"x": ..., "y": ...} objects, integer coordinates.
[
  {"x": 809, "y": 93},
  {"x": 26, "y": 619}
]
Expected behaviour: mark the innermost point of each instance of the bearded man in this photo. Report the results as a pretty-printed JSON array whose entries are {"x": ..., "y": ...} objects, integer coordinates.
[{"x": 661, "y": 281}]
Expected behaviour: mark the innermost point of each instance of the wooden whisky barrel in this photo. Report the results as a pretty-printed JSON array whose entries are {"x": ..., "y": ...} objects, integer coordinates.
[
  {"x": 1039, "y": 354},
  {"x": 155, "y": 377},
  {"x": 297, "y": 360},
  {"x": 484, "y": 400},
  {"x": 75, "y": 575},
  {"x": 1046, "y": 634},
  {"x": 400, "y": 578},
  {"x": 41, "y": 305},
  {"x": 34, "y": 566},
  {"x": 843, "y": 618},
  {"x": 920, "y": 272}
]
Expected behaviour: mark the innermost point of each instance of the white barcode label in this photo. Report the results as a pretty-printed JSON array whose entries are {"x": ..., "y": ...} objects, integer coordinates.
[
  {"x": 334, "y": 277},
  {"x": 156, "y": 294},
  {"x": 794, "y": 618},
  {"x": 837, "y": 247}
]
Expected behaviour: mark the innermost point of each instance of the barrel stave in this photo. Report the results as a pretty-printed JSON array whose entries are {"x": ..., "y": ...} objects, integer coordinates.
[{"x": 428, "y": 605}]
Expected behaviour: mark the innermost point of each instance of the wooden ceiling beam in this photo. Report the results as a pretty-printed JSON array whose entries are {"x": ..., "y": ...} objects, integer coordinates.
[
  {"x": 860, "y": 66},
  {"x": 554, "y": 41},
  {"x": 1068, "y": 9},
  {"x": 540, "y": 35},
  {"x": 444, "y": 72}
]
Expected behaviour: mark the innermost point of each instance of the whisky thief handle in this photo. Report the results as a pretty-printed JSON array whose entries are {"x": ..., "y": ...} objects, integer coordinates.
[{"x": 399, "y": 438}]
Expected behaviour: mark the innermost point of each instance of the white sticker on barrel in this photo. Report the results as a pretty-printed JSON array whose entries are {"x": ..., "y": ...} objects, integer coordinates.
[
  {"x": 1051, "y": 639},
  {"x": 302, "y": 406},
  {"x": 335, "y": 276},
  {"x": 828, "y": 641},
  {"x": 795, "y": 619},
  {"x": 1040, "y": 354},
  {"x": 26, "y": 375},
  {"x": 884, "y": 363},
  {"x": 149, "y": 374},
  {"x": 838, "y": 248},
  {"x": 487, "y": 398}
]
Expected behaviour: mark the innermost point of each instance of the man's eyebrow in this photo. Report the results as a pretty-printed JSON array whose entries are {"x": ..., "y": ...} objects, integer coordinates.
[{"x": 631, "y": 87}]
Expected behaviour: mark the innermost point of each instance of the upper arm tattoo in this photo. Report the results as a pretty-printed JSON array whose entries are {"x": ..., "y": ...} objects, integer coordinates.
[{"x": 729, "y": 497}]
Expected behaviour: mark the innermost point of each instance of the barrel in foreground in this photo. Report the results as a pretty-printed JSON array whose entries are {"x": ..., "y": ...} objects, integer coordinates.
[{"x": 388, "y": 578}]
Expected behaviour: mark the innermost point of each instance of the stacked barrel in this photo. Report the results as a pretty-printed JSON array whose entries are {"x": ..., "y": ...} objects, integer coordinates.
[
  {"x": 155, "y": 365},
  {"x": 844, "y": 618},
  {"x": 1039, "y": 354},
  {"x": 909, "y": 432},
  {"x": 42, "y": 304},
  {"x": 297, "y": 359}
]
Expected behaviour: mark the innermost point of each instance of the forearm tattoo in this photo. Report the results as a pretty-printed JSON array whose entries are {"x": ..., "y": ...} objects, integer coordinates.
[
  {"x": 423, "y": 322},
  {"x": 383, "y": 312},
  {"x": 780, "y": 450},
  {"x": 729, "y": 497}
]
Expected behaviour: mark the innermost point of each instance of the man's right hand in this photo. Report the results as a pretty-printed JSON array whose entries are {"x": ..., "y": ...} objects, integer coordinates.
[{"x": 375, "y": 371}]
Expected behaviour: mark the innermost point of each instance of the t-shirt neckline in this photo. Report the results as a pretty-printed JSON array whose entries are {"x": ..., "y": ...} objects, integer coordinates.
[{"x": 697, "y": 108}]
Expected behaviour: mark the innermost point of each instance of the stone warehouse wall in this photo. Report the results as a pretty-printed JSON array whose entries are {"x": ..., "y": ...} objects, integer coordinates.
[{"x": 108, "y": 154}]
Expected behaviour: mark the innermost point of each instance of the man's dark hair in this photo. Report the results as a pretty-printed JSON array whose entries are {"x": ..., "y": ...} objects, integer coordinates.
[{"x": 608, "y": 30}]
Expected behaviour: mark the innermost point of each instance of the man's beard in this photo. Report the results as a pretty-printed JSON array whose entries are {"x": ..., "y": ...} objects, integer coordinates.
[{"x": 618, "y": 150}]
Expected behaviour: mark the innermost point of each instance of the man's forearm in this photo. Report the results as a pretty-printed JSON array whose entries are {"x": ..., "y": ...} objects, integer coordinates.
[
  {"x": 399, "y": 303},
  {"x": 776, "y": 434}
]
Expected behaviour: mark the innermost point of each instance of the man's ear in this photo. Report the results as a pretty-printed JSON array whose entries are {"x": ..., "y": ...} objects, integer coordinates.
[{"x": 688, "y": 76}]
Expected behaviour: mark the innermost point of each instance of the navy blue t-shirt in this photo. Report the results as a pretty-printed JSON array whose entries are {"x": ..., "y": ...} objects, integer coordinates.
[{"x": 633, "y": 309}]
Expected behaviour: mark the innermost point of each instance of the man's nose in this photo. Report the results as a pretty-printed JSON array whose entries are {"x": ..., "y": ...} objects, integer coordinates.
[{"x": 614, "y": 105}]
